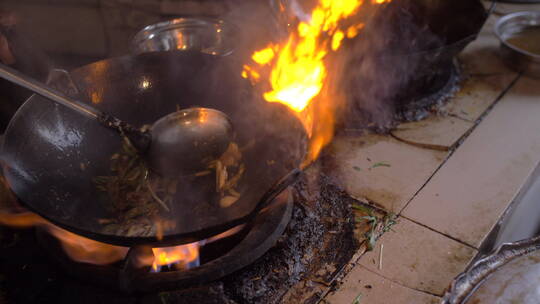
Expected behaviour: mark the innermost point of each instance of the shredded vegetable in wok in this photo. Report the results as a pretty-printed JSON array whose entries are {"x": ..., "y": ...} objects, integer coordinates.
[{"x": 137, "y": 197}]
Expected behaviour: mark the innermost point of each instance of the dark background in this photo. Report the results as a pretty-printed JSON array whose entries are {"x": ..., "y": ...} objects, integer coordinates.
[{"x": 71, "y": 33}]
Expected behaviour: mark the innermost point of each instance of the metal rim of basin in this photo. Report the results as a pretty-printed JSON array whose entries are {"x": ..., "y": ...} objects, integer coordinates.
[{"x": 466, "y": 283}]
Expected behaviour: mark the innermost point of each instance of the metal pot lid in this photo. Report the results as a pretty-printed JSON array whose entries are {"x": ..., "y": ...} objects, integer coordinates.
[{"x": 510, "y": 275}]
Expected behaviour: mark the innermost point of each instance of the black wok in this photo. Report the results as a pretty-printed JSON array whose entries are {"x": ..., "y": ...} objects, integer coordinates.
[
  {"x": 453, "y": 25},
  {"x": 406, "y": 53},
  {"x": 51, "y": 155}
]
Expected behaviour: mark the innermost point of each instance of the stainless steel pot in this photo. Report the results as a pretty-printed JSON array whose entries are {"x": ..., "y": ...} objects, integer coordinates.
[
  {"x": 517, "y": 58},
  {"x": 509, "y": 275},
  {"x": 206, "y": 35}
]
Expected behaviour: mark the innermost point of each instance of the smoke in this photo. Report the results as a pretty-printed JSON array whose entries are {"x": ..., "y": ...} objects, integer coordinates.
[
  {"x": 260, "y": 23},
  {"x": 371, "y": 75},
  {"x": 403, "y": 55},
  {"x": 364, "y": 77},
  {"x": 377, "y": 66}
]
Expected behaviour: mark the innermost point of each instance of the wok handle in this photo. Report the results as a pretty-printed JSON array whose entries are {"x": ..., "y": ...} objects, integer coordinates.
[
  {"x": 277, "y": 188},
  {"x": 266, "y": 201},
  {"x": 140, "y": 140}
]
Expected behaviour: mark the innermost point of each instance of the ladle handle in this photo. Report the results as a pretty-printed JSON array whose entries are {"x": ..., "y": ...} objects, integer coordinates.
[
  {"x": 140, "y": 140},
  {"x": 39, "y": 88}
]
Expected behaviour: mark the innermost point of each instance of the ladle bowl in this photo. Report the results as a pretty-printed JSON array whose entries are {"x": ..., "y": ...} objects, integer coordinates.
[{"x": 188, "y": 140}]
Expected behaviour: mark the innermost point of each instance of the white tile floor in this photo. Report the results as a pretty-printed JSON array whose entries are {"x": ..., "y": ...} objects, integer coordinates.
[
  {"x": 486, "y": 172},
  {"x": 370, "y": 288},
  {"x": 378, "y": 168},
  {"x": 418, "y": 258},
  {"x": 452, "y": 199},
  {"x": 436, "y": 132}
]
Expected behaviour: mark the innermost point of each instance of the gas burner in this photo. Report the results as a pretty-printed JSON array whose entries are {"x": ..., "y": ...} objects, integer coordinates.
[
  {"x": 285, "y": 248},
  {"x": 217, "y": 259},
  {"x": 430, "y": 89}
]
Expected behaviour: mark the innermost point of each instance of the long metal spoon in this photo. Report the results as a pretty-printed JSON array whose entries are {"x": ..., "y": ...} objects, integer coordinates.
[{"x": 181, "y": 142}]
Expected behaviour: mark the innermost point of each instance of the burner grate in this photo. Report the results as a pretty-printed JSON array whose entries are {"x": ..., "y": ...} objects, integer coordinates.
[
  {"x": 318, "y": 241},
  {"x": 218, "y": 259},
  {"x": 439, "y": 85}
]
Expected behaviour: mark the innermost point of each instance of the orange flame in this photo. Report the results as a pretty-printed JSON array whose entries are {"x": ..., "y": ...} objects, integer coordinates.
[
  {"x": 76, "y": 247},
  {"x": 184, "y": 256},
  {"x": 298, "y": 68},
  {"x": 85, "y": 250}
]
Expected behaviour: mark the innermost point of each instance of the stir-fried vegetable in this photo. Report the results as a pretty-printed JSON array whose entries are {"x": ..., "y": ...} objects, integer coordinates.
[{"x": 137, "y": 196}]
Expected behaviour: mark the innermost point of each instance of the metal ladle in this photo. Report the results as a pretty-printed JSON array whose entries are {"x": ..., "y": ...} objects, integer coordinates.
[{"x": 181, "y": 142}]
